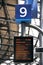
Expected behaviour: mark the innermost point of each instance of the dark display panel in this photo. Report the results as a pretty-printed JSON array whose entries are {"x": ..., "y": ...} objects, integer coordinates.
[{"x": 23, "y": 49}]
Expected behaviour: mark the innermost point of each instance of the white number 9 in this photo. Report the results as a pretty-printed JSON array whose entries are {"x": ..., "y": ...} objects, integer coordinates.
[{"x": 23, "y": 12}]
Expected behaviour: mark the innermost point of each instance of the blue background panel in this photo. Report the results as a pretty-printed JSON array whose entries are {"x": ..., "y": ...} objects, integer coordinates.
[
  {"x": 27, "y": 18},
  {"x": 28, "y": 1},
  {"x": 33, "y": 7}
]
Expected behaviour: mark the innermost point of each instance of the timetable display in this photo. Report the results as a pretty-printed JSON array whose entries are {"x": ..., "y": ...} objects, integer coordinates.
[{"x": 23, "y": 49}]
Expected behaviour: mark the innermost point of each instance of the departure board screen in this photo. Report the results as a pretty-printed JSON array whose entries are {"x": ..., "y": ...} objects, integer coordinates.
[{"x": 23, "y": 49}]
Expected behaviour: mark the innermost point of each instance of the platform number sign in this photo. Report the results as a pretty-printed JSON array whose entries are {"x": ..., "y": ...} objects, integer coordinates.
[{"x": 23, "y": 13}]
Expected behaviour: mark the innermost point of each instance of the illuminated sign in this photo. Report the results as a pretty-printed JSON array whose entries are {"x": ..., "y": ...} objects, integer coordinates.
[
  {"x": 23, "y": 49},
  {"x": 23, "y": 13},
  {"x": 33, "y": 8}
]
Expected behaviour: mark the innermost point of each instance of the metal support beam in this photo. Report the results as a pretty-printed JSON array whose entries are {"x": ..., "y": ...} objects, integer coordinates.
[
  {"x": 1, "y": 18},
  {"x": 6, "y": 15},
  {"x": 41, "y": 26},
  {"x": 35, "y": 27},
  {"x": 22, "y": 29}
]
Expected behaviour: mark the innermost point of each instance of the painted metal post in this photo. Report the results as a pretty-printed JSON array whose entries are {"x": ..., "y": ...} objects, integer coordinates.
[
  {"x": 23, "y": 29},
  {"x": 41, "y": 37}
]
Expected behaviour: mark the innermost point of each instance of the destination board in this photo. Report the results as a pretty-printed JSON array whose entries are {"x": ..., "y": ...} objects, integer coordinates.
[{"x": 23, "y": 49}]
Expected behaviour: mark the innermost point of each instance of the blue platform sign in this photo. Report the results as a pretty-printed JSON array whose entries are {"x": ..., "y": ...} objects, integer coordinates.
[
  {"x": 23, "y": 13},
  {"x": 33, "y": 7}
]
